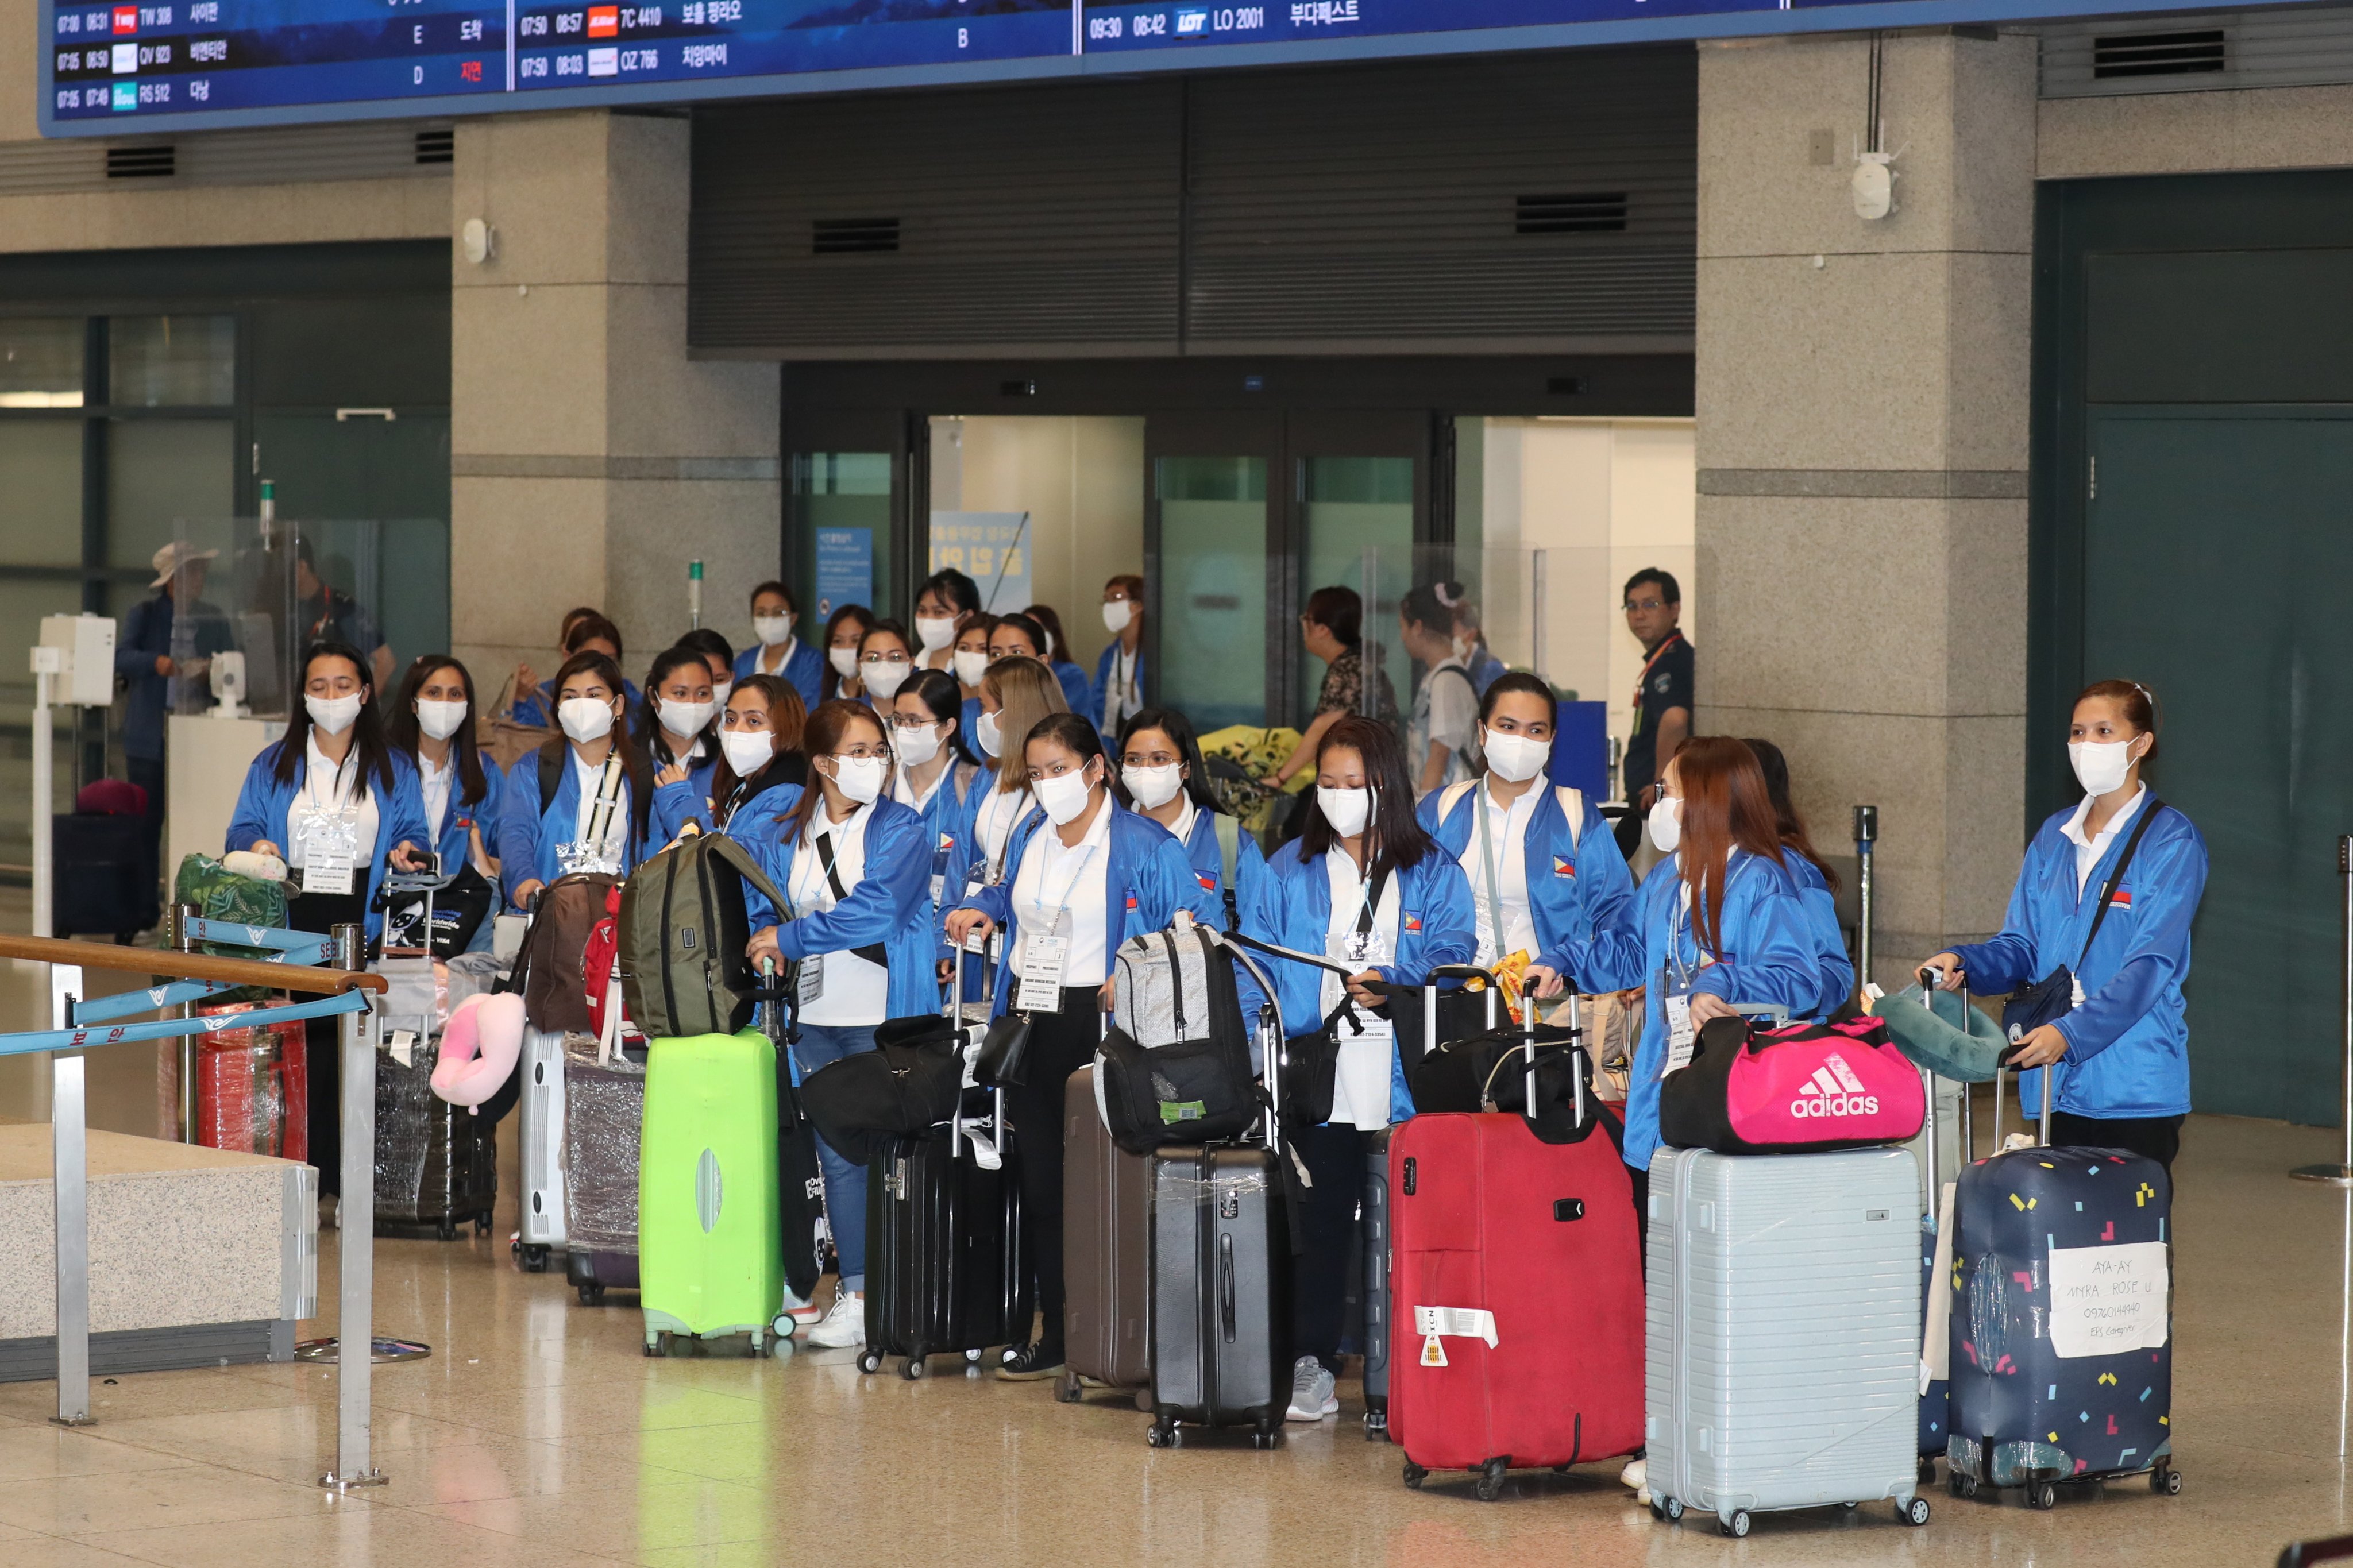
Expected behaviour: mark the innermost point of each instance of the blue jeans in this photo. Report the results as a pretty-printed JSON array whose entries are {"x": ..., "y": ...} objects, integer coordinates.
[{"x": 844, "y": 1184}]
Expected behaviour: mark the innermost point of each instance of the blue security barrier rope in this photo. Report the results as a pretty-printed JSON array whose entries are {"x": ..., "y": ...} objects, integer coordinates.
[
  {"x": 16, "y": 1045},
  {"x": 292, "y": 947},
  {"x": 148, "y": 1001},
  {"x": 288, "y": 943}
]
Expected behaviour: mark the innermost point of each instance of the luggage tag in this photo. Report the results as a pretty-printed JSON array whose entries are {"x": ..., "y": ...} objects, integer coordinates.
[
  {"x": 812, "y": 979},
  {"x": 1675, "y": 996},
  {"x": 330, "y": 848},
  {"x": 1045, "y": 956}
]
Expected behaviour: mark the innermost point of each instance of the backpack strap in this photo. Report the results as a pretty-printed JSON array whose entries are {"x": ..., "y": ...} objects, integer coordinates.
[
  {"x": 1452, "y": 795},
  {"x": 1572, "y": 807},
  {"x": 551, "y": 770},
  {"x": 1229, "y": 853}
]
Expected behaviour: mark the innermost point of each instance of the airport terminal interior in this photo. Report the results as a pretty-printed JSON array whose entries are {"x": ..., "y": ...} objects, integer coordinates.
[{"x": 1840, "y": 496}]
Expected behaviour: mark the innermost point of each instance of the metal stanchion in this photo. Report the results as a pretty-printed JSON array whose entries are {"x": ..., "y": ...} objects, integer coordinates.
[
  {"x": 69, "y": 1190},
  {"x": 1867, "y": 837},
  {"x": 176, "y": 920},
  {"x": 356, "y": 1233},
  {"x": 2341, "y": 1174}
]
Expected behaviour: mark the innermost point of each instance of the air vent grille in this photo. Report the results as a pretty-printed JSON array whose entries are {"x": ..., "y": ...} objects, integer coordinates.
[
  {"x": 1589, "y": 213},
  {"x": 436, "y": 146},
  {"x": 853, "y": 236},
  {"x": 2158, "y": 54},
  {"x": 153, "y": 161}
]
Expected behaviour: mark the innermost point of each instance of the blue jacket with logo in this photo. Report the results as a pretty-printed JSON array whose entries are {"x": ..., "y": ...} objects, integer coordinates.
[
  {"x": 1210, "y": 864},
  {"x": 1579, "y": 887},
  {"x": 263, "y": 803},
  {"x": 890, "y": 904},
  {"x": 2128, "y": 1043},
  {"x": 529, "y": 830}
]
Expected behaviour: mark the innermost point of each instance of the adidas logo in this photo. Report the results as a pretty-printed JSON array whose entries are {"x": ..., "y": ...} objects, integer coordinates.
[{"x": 1833, "y": 1091}]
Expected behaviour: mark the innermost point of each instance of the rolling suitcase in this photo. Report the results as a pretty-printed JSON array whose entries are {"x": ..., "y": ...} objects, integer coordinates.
[
  {"x": 2062, "y": 1352},
  {"x": 1517, "y": 1280},
  {"x": 1219, "y": 1326},
  {"x": 436, "y": 1164},
  {"x": 1783, "y": 1337},
  {"x": 1378, "y": 1232},
  {"x": 105, "y": 883},
  {"x": 1106, "y": 1251},
  {"x": 604, "y": 1109},
  {"x": 709, "y": 1231},
  {"x": 539, "y": 1130},
  {"x": 943, "y": 1265}
]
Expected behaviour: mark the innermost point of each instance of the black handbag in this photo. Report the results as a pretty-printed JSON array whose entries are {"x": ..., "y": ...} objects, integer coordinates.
[
  {"x": 2052, "y": 997},
  {"x": 908, "y": 1083},
  {"x": 1004, "y": 1061}
]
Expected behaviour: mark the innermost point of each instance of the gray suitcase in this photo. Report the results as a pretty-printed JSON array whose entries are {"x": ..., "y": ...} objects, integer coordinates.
[
  {"x": 1783, "y": 1334},
  {"x": 541, "y": 1116},
  {"x": 1375, "y": 1213}
]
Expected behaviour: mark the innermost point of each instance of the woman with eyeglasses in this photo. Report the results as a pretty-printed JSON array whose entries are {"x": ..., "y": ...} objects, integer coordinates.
[
  {"x": 1090, "y": 874},
  {"x": 759, "y": 755},
  {"x": 1367, "y": 888},
  {"x": 850, "y": 864},
  {"x": 1162, "y": 777}
]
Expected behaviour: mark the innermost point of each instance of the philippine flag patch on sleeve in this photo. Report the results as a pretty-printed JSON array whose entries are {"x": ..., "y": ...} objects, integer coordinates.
[{"x": 1562, "y": 867}]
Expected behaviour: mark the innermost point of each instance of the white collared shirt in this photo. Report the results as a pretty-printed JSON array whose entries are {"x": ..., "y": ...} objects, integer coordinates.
[
  {"x": 437, "y": 780},
  {"x": 328, "y": 791},
  {"x": 994, "y": 822},
  {"x": 1360, "y": 1079},
  {"x": 1507, "y": 835},
  {"x": 906, "y": 795},
  {"x": 2089, "y": 851},
  {"x": 1077, "y": 877},
  {"x": 857, "y": 991},
  {"x": 784, "y": 652}
]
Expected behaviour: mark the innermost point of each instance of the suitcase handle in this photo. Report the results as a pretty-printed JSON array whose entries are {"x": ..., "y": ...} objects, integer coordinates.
[{"x": 1226, "y": 1291}]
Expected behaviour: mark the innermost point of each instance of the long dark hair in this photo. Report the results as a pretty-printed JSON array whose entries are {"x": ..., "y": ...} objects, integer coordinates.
[
  {"x": 710, "y": 645},
  {"x": 822, "y": 738},
  {"x": 1786, "y": 820},
  {"x": 1725, "y": 807},
  {"x": 1395, "y": 839},
  {"x": 650, "y": 724},
  {"x": 372, "y": 752},
  {"x": 402, "y": 729},
  {"x": 1179, "y": 731},
  {"x": 1058, "y": 649},
  {"x": 785, "y": 764},
  {"x": 943, "y": 698},
  {"x": 858, "y": 614},
  {"x": 605, "y": 670}
]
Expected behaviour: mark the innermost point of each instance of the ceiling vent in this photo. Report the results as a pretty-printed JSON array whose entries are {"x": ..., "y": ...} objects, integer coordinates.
[
  {"x": 2126, "y": 55},
  {"x": 149, "y": 163},
  {"x": 853, "y": 236},
  {"x": 1602, "y": 212},
  {"x": 436, "y": 146}
]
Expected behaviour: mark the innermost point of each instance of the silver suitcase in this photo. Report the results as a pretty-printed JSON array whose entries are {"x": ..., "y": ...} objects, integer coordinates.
[
  {"x": 1783, "y": 1336},
  {"x": 540, "y": 1110}
]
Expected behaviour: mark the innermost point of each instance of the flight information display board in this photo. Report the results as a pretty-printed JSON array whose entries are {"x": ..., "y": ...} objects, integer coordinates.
[{"x": 181, "y": 64}]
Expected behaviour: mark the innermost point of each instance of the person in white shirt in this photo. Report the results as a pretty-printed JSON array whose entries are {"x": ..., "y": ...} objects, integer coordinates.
[{"x": 1445, "y": 724}]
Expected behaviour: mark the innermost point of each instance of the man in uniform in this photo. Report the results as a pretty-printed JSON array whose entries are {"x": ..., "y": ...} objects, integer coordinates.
[{"x": 1662, "y": 693}]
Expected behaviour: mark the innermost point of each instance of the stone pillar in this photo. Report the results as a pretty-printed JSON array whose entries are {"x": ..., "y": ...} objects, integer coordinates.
[
  {"x": 1862, "y": 407},
  {"x": 591, "y": 459}
]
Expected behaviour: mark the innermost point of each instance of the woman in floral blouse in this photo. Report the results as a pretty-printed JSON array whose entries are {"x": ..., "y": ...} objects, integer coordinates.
[{"x": 1331, "y": 627}]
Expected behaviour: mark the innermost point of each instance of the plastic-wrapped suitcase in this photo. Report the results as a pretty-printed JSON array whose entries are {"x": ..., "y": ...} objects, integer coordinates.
[
  {"x": 2062, "y": 1343},
  {"x": 709, "y": 1234},
  {"x": 539, "y": 1130},
  {"x": 1220, "y": 1327},
  {"x": 247, "y": 1080},
  {"x": 603, "y": 1108},
  {"x": 1106, "y": 1251},
  {"x": 1516, "y": 1273},
  {"x": 1783, "y": 1339},
  {"x": 436, "y": 1164},
  {"x": 1377, "y": 1233}
]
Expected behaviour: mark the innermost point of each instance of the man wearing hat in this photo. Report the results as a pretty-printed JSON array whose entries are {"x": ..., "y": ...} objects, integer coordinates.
[{"x": 151, "y": 674}]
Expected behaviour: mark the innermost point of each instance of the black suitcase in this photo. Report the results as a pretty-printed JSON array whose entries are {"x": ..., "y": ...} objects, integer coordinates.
[
  {"x": 105, "y": 882},
  {"x": 436, "y": 1164},
  {"x": 942, "y": 1250},
  {"x": 1376, "y": 1233}
]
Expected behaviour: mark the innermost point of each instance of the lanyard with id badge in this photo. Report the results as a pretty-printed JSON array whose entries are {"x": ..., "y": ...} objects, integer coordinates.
[
  {"x": 1046, "y": 942},
  {"x": 595, "y": 851},
  {"x": 328, "y": 833},
  {"x": 1675, "y": 991},
  {"x": 811, "y": 973}
]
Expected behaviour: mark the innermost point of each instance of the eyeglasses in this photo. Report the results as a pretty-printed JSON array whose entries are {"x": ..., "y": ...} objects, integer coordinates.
[
  {"x": 884, "y": 659},
  {"x": 1632, "y": 605},
  {"x": 862, "y": 751},
  {"x": 911, "y": 721}
]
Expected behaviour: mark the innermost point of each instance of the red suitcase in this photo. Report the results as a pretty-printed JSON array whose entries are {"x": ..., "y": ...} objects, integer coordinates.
[{"x": 1515, "y": 1281}]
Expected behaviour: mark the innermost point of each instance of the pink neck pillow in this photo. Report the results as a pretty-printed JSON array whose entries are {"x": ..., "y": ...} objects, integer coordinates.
[{"x": 479, "y": 1047}]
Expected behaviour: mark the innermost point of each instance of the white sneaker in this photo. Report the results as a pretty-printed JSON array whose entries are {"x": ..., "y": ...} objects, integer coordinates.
[
  {"x": 1311, "y": 1398},
  {"x": 1637, "y": 1474},
  {"x": 843, "y": 1324},
  {"x": 804, "y": 1313}
]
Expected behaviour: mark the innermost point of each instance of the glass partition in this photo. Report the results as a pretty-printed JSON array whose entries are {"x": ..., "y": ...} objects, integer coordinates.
[
  {"x": 1213, "y": 647},
  {"x": 259, "y": 593}
]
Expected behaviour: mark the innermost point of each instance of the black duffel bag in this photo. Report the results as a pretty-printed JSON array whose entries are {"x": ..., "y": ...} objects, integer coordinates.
[
  {"x": 910, "y": 1083},
  {"x": 1189, "y": 1092},
  {"x": 1489, "y": 1072}
]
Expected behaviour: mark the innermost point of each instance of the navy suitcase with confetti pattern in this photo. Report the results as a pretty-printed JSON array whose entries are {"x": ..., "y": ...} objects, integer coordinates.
[{"x": 2061, "y": 1324}]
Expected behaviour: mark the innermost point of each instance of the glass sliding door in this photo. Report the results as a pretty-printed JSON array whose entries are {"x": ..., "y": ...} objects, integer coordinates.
[
  {"x": 1356, "y": 531},
  {"x": 1213, "y": 587}
]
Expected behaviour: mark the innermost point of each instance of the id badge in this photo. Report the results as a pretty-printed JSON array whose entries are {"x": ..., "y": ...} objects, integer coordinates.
[
  {"x": 583, "y": 859},
  {"x": 331, "y": 844},
  {"x": 1674, "y": 995},
  {"x": 812, "y": 978},
  {"x": 1045, "y": 956}
]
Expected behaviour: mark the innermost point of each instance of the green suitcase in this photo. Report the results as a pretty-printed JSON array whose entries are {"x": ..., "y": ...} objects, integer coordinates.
[{"x": 710, "y": 1236}]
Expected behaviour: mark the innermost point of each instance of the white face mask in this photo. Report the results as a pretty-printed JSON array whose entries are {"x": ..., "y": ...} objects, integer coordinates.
[
  {"x": 585, "y": 719},
  {"x": 439, "y": 721},
  {"x": 916, "y": 746},
  {"x": 1347, "y": 810},
  {"x": 1154, "y": 787},
  {"x": 772, "y": 630},
  {"x": 2100, "y": 765},
  {"x": 1118, "y": 613},
  {"x": 747, "y": 751},
  {"x": 936, "y": 631},
  {"x": 844, "y": 661},
  {"x": 1515, "y": 759},
  {"x": 1666, "y": 824},
  {"x": 860, "y": 778},
  {"x": 1462, "y": 650},
  {"x": 986, "y": 732},
  {"x": 686, "y": 719},
  {"x": 719, "y": 687},
  {"x": 970, "y": 666},
  {"x": 883, "y": 677},
  {"x": 1064, "y": 798},
  {"x": 333, "y": 715}
]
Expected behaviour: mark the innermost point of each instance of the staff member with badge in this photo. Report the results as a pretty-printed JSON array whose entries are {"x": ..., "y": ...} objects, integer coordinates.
[
  {"x": 1367, "y": 888},
  {"x": 325, "y": 799},
  {"x": 579, "y": 803},
  {"x": 2097, "y": 942},
  {"x": 852, "y": 865},
  {"x": 1662, "y": 692},
  {"x": 1087, "y": 875}
]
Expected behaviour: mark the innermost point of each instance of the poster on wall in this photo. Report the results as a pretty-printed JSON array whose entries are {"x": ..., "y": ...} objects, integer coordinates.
[
  {"x": 845, "y": 569},
  {"x": 992, "y": 548}
]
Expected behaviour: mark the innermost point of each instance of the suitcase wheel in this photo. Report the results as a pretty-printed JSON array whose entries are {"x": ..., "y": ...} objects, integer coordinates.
[
  {"x": 1926, "y": 1472},
  {"x": 481, "y": 1225},
  {"x": 1656, "y": 1511},
  {"x": 2165, "y": 1481},
  {"x": 1674, "y": 1510},
  {"x": 1267, "y": 1434},
  {"x": 869, "y": 1362},
  {"x": 1163, "y": 1435},
  {"x": 1415, "y": 1475},
  {"x": 1377, "y": 1425},
  {"x": 912, "y": 1369},
  {"x": 1960, "y": 1485},
  {"x": 535, "y": 1259},
  {"x": 658, "y": 1345},
  {"x": 972, "y": 1358},
  {"x": 1914, "y": 1512},
  {"x": 2041, "y": 1495},
  {"x": 592, "y": 1295},
  {"x": 1067, "y": 1389},
  {"x": 1737, "y": 1526},
  {"x": 448, "y": 1229},
  {"x": 1490, "y": 1480}
]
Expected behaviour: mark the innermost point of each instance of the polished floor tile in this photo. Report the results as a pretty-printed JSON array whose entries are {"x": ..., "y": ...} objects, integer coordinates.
[{"x": 538, "y": 1435}]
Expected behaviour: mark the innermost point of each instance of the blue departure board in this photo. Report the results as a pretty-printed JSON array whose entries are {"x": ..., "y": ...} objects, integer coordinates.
[{"x": 182, "y": 64}]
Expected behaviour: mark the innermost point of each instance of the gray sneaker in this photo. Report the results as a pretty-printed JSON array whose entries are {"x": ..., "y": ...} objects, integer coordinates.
[{"x": 1312, "y": 1397}]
